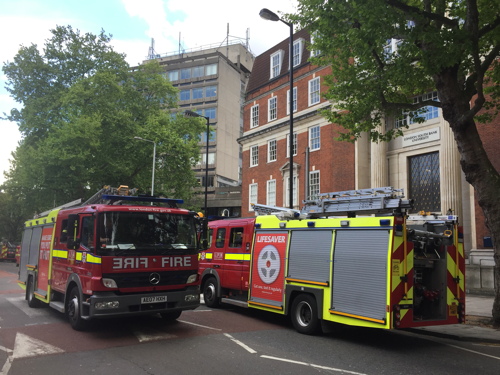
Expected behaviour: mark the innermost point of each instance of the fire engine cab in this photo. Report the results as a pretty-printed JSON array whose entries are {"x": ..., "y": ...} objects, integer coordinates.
[
  {"x": 114, "y": 255},
  {"x": 327, "y": 262}
]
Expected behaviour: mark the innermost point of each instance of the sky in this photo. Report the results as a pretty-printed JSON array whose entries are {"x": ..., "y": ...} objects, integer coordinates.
[{"x": 133, "y": 25}]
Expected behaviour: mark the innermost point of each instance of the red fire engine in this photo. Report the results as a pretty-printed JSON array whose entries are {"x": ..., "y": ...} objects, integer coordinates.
[
  {"x": 8, "y": 251},
  {"x": 114, "y": 255},
  {"x": 328, "y": 263}
]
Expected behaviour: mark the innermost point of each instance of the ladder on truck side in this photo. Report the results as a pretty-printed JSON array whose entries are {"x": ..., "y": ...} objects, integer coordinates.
[{"x": 344, "y": 203}]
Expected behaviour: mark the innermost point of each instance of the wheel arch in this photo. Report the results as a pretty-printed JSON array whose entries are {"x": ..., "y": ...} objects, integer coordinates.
[
  {"x": 293, "y": 291},
  {"x": 73, "y": 280},
  {"x": 210, "y": 272}
]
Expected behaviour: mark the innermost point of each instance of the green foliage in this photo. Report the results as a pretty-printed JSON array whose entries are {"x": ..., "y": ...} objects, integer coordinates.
[
  {"x": 370, "y": 82},
  {"x": 82, "y": 107}
]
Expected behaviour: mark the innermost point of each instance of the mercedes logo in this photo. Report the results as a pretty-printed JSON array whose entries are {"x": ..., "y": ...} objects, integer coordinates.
[{"x": 154, "y": 278}]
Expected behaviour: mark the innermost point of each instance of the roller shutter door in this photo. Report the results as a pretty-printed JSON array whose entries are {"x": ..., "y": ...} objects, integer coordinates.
[{"x": 360, "y": 272}]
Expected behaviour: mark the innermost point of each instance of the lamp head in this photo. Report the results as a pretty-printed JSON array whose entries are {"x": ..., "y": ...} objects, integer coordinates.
[{"x": 268, "y": 15}]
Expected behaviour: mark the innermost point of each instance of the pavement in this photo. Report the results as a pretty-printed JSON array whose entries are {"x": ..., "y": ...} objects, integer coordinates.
[{"x": 477, "y": 311}]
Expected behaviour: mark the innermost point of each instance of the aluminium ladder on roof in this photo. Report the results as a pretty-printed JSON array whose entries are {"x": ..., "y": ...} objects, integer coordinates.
[{"x": 348, "y": 202}]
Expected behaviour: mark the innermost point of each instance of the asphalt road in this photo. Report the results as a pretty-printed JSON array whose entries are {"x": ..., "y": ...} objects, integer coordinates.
[{"x": 223, "y": 341}]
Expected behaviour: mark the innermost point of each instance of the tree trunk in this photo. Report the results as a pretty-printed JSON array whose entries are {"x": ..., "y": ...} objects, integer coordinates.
[{"x": 479, "y": 172}]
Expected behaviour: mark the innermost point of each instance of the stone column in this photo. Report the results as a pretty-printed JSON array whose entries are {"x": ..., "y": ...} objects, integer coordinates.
[
  {"x": 451, "y": 174},
  {"x": 379, "y": 167}
]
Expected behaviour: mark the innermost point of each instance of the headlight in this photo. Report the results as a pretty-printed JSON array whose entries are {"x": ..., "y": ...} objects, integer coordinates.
[
  {"x": 192, "y": 278},
  {"x": 109, "y": 283},
  {"x": 107, "y": 305}
]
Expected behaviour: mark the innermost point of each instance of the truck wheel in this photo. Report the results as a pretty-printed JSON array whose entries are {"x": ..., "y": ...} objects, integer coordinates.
[
  {"x": 305, "y": 315},
  {"x": 30, "y": 293},
  {"x": 210, "y": 292},
  {"x": 73, "y": 310},
  {"x": 171, "y": 315}
]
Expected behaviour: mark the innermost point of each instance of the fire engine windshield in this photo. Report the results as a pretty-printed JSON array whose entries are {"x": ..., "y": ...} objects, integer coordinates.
[{"x": 145, "y": 233}]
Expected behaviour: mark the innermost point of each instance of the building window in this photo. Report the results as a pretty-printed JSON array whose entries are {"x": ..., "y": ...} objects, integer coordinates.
[
  {"x": 211, "y": 113},
  {"x": 276, "y": 60},
  {"x": 254, "y": 156},
  {"x": 185, "y": 95},
  {"x": 314, "y": 91},
  {"x": 173, "y": 75},
  {"x": 252, "y": 195},
  {"x": 426, "y": 113},
  {"x": 314, "y": 52},
  {"x": 288, "y": 145},
  {"x": 271, "y": 193},
  {"x": 287, "y": 195},
  {"x": 429, "y": 112},
  {"x": 254, "y": 116},
  {"x": 210, "y": 91},
  {"x": 314, "y": 188},
  {"x": 424, "y": 182},
  {"x": 186, "y": 73},
  {"x": 198, "y": 93},
  {"x": 211, "y": 159},
  {"x": 401, "y": 121},
  {"x": 210, "y": 69},
  {"x": 201, "y": 181},
  {"x": 272, "y": 150},
  {"x": 212, "y": 137},
  {"x": 272, "y": 111},
  {"x": 314, "y": 138},
  {"x": 294, "y": 103},
  {"x": 198, "y": 71},
  {"x": 298, "y": 46}
]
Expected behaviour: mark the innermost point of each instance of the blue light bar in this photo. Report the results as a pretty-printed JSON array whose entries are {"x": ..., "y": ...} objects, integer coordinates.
[{"x": 141, "y": 199}]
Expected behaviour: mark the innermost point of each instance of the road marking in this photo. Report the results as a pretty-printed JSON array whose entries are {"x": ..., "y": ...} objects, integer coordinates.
[
  {"x": 473, "y": 351},
  {"x": 199, "y": 325},
  {"x": 244, "y": 346},
  {"x": 26, "y": 346},
  {"x": 313, "y": 365},
  {"x": 6, "y": 350}
]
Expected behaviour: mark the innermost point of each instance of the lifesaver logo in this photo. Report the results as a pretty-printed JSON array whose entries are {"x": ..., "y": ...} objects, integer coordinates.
[{"x": 268, "y": 264}]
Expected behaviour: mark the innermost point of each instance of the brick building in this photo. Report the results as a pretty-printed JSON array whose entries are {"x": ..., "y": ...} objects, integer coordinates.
[{"x": 320, "y": 163}]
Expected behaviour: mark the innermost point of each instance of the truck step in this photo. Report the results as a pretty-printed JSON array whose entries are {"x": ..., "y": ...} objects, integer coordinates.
[
  {"x": 57, "y": 305},
  {"x": 236, "y": 302}
]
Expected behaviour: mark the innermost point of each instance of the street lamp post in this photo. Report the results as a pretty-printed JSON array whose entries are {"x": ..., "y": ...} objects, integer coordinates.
[
  {"x": 154, "y": 162},
  {"x": 271, "y": 16},
  {"x": 189, "y": 113}
]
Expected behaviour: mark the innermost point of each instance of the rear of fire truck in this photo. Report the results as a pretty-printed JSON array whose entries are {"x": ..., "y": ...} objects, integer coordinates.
[
  {"x": 335, "y": 261},
  {"x": 117, "y": 255}
]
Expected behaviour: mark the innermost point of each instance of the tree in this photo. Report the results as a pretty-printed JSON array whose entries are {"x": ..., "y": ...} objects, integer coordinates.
[
  {"x": 451, "y": 47},
  {"x": 82, "y": 107}
]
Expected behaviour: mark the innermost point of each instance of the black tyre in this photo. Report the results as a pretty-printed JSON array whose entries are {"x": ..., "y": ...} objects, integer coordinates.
[
  {"x": 30, "y": 293},
  {"x": 210, "y": 292},
  {"x": 171, "y": 315},
  {"x": 304, "y": 315},
  {"x": 73, "y": 310}
]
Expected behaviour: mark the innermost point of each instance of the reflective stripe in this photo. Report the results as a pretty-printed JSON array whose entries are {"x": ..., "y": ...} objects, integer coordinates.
[
  {"x": 237, "y": 256},
  {"x": 63, "y": 254},
  {"x": 93, "y": 259}
]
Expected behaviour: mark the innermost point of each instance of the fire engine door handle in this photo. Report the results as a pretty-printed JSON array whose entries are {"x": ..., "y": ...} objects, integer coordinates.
[
  {"x": 216, "y": 266},
  {"x": 239, "y": 261}
]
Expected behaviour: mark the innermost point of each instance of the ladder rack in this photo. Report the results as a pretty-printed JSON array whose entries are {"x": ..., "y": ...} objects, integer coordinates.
[{"x": 341, "y": 203}]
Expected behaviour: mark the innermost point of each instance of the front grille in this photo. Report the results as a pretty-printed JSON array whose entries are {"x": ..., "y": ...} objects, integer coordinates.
[{"x": 141, "y": 279}]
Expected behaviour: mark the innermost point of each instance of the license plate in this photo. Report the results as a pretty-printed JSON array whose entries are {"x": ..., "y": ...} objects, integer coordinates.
[{"x": 156, "y": 299}]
